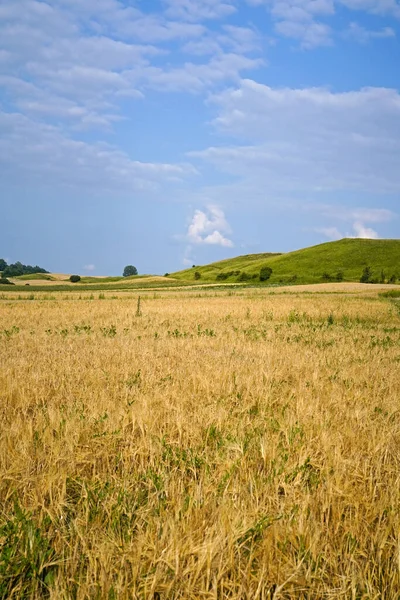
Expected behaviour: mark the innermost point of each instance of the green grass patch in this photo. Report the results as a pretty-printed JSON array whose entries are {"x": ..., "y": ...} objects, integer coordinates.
[{"x": 391, "y": 294}]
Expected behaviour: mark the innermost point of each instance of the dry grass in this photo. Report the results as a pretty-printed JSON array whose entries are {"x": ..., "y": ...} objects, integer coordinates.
[{"x": 230, "y": 446}]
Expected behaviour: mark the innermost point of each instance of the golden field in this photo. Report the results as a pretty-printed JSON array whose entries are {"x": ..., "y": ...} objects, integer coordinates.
[{"x": 212, "y": 445}]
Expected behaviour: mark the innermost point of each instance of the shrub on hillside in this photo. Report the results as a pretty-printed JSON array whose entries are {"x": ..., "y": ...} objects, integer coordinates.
[
  {"x": 226, "y": 274},
  {"x": 265, "y": 273},
  {"x": 5, "y": 281},
  {"x": 75, "y": 278},
  {"x": 366, "y": 275},
  {"x": 244, "y": 276},
  {"x": 197, "y": 275},
  {"x": 222, "y": 276}
]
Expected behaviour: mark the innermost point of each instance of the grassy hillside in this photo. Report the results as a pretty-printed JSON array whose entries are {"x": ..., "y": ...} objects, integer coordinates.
[
  {"x": 34, "y": 277},
  {"x": 309, "y": 265}
]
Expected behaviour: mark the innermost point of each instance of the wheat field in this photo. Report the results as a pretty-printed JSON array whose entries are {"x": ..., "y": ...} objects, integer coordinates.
[{"x": 233, "y": 444}]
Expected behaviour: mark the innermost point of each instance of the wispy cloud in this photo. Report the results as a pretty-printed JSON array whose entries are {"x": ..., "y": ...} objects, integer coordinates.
[
  {"x": 199, "y": 10},
  {"x": 44, "y": 154},
  {"x": 302, "y": 19},
  {"x": 363, "y": 36},
  {"x": 308, "y": 139},
  {"x": 361, "y": 231},
  {"x": 332, "y": 233}
]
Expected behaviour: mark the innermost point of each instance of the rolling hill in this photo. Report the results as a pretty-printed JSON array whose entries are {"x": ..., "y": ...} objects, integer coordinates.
[{"x": 331, "y": 261}]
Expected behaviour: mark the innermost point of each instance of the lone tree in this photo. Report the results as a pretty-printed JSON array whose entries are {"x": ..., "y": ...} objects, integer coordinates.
[
  {"x": 129, "y": 270},
  {"x": 75, "y": 278}
]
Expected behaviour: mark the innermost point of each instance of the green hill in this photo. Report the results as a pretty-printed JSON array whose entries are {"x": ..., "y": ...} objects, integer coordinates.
[{"x": 331, "y": 261}]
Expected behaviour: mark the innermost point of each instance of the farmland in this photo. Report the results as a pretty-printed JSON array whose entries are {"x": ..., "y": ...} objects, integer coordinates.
[{"x": 200, "y": 444}]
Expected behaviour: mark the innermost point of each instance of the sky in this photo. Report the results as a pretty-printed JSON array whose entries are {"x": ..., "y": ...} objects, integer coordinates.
[{"x": 167, "y": 133}]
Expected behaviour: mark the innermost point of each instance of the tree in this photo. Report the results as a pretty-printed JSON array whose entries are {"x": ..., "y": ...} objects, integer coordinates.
[
  {"x": 17, "y": 269},
  {"x": 265, "y": 273},
  {"x": 129, "y": 270},
  {"x": 75, "y": 278},
  {"x": 197, "y": 275},
  {"x": 366, "y": 275},
  {"x": 3, "y": 264}
]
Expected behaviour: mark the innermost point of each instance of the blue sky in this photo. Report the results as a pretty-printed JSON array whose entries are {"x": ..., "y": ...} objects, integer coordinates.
[{"x": 166, "y": 133}]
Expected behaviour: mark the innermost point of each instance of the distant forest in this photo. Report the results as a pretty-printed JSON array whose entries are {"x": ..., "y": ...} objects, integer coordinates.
[{"x": 18, "y": 268}]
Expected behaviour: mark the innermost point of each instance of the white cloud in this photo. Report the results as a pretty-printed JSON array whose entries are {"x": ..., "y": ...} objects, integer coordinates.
[
  {"x": 381, "y": 7},
  {"x": 79, "y": 61},
  {"x": 198, "y": 10},
  {"x": 217, "y": 239},
  {"x": 89, "y": 268},
  {"x": 359, "y": 231},
  {"x": 194, "y": 77},
  {"x": 313, "y": 140},
  {"x": 364, "y": 232},
  {"x": 239, "y": 40},
  {"x": 363, "y": 36},
  {"x": 33, "y": 152},
  {"x": 310, "y": 33},
  {"x": 298, "y": 19},
  {"x": 208, "y": 228}
]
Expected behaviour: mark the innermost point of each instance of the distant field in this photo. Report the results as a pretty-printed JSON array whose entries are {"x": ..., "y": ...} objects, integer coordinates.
[
  {"x": 205, "y": 443},
  {"x": 344, "y": 260},
  {"x": 59, "y": 281}
]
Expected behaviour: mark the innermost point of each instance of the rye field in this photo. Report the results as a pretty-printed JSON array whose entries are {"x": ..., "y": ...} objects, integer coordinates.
[{"x": 237, "y": 444}]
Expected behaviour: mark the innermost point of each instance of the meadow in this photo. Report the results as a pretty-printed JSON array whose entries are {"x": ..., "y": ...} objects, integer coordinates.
[{"x": 238, "y": 444}]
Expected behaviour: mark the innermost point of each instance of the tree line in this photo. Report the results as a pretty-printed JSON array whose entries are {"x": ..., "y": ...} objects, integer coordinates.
[{"x": 16, "y": 269}]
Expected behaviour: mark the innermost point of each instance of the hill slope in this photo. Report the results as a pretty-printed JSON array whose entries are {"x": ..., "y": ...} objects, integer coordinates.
[{"x": 309, "y": 265}]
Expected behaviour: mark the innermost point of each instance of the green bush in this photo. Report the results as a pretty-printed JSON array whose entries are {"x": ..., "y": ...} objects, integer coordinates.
[
  {"x": 244, "y": 276},
  {"x": 5, "y": 281},
  {"x": 197, "y": 275},
  {"x": 75, "y": 278},
  {"x": 366, "y": 275},
  {"x": 265, "y": 273}
]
